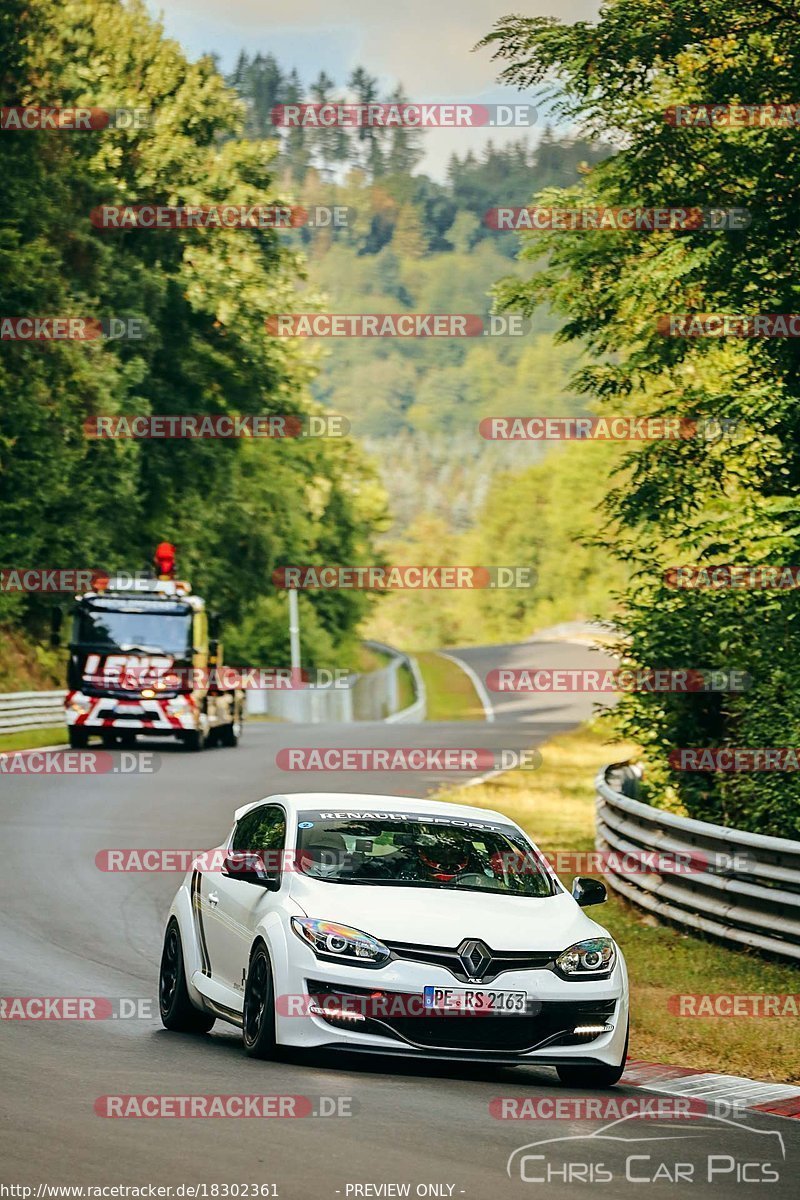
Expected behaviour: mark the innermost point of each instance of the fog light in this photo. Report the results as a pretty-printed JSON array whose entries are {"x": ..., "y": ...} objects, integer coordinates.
[{"x": 339, "y": 1013}]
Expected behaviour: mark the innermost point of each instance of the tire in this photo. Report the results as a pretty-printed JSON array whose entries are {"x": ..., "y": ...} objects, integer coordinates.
[
  {"x": 177, "y": 1011},
  {"x": 193, "y": 740},
  {"x": 229, "y": 734},
  {"x": 258, "y": 1024},
  {"x": 78, "y": 738},
  {"x": 598, "y": 1077}
]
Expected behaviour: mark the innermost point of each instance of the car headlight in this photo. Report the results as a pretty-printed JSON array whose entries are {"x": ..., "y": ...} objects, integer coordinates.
[
  {"x": 80, "y": 704},
  {"x": 340, "y": 943},
  {"x": 588, "y": 960}
]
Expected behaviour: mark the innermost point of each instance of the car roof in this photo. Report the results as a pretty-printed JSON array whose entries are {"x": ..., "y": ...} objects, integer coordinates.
[{"x": 345, "y": 801}]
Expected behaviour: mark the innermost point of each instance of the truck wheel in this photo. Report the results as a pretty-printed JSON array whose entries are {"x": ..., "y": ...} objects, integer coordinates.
[
  {"x": 78, "y": 738},
  {"x": 193, "y": 740},
  {"x": 229, "y": 734}
]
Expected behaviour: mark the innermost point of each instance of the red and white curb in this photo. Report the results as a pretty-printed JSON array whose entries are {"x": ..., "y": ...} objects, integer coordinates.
[{"x": 777, "y": 1099}]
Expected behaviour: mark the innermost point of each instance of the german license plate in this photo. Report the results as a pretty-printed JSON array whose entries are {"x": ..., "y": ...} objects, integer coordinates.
[{"x": 474, "y": 1000}]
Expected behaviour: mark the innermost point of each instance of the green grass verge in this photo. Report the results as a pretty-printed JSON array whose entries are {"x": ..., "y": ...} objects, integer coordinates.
[
  {"x": 451, "y": 694},
  {"x": 31, "y": 738},
  {"x": 556, "y": 807},
  {"x": 405, "y": 684}
]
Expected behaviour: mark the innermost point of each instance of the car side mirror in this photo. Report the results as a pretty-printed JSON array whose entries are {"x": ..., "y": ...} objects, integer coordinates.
[
  {"x": 586, "y": 892},
  {"x": 249, "y": 867}
]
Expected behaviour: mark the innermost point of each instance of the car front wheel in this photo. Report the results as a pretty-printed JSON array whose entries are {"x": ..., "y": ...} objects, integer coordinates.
[
  {"x": 176, "y": 1008},
  {"x": 258, "y": 1025}
]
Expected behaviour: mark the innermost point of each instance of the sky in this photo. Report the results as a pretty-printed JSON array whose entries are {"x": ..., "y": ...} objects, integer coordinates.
[{"x": 424, "y": 44}]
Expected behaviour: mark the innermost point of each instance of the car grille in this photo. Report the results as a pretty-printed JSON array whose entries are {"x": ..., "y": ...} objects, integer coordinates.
[
  {"x": 550, "y": 1023},
  {"x": 500, "y": 960}
]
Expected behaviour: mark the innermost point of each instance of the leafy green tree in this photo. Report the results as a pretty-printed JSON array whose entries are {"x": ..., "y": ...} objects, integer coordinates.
[
  {"x": 366, "y": 150},
  {"x": 404, "y": 151}
]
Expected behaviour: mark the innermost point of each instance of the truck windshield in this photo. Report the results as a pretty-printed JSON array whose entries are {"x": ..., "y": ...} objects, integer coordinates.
[
  {"x": 415, "y": 853},
  {"x": 105, "y": 625}
]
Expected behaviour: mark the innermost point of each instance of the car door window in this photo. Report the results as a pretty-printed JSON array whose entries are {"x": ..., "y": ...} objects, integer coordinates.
[{"x": 263, "y": 829}]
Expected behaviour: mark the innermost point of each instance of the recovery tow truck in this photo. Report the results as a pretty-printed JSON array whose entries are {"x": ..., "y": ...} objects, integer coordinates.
[{"x": 143, "y": 661}]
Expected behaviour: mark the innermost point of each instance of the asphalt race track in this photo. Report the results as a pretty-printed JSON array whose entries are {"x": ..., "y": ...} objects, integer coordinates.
[{"x": 69, "y": 929}]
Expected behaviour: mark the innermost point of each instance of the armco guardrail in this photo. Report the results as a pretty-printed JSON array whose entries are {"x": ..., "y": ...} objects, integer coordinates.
[
  {"x": 742, "y": 887},
  {"x": 30, "y": 710},
  {"x": 371, "y": 696},
  {"x": 417, "y": 709}
]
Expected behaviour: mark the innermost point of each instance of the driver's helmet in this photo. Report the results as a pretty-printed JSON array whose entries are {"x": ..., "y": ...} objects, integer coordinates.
[
  {"x": 324, "y": 856},
  {"x": 443, "y": 858}
]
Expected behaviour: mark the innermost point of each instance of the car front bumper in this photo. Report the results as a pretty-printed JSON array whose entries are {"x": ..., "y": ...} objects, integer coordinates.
[{"x": 544, "y": 1034}]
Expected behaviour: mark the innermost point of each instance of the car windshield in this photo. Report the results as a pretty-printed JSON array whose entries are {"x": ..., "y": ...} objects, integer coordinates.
[
  {"x": 166, "y": 628},
  {"x": 405, "y": 851}
]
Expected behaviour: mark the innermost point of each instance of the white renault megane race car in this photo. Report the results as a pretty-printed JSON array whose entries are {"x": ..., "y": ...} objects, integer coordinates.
[{"x": 388, "y": 925}]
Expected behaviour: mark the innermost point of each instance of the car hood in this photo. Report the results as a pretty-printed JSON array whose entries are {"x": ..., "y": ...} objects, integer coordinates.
[{"x": 430, "y": 917}]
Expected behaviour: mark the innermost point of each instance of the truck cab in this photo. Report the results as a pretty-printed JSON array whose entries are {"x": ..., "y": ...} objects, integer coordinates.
[{"x": 143, "y": 662}]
